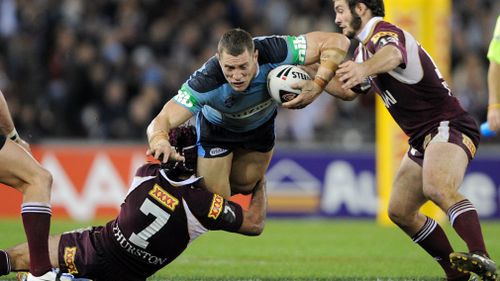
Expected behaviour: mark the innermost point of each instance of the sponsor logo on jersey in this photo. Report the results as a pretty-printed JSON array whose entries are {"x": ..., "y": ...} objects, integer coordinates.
[
  {"x": 217, "y": 151},
  {"x": 299, "y": 49},
  {"x": 165, "y": 198},
  {"x": 69, "y": 259},
  {"x": 250, "y": 111},
  {"x": 469, "y": 144},
  {"x": 389, "y": 37},
  {"x": 216, "y": 208},
  {"x": 229, "y": 101},
  {"x": 185, "y": 98}
]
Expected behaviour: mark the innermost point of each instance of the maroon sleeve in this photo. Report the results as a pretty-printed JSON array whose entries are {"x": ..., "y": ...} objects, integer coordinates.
[
  {"x": 213, "y": 211},
  {"x": 385, "y": 34}
]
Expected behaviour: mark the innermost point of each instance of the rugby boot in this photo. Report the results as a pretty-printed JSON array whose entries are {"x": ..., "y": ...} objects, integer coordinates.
[{"x": 481, "y": 265}]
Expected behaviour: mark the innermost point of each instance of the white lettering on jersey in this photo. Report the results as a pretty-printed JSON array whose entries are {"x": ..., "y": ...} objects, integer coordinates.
[
  {"x": 183, "y": 97},
  {"x": 440, "y": 76},
  {"x": 388, "y": 98},
  {"x": 300, "y": 44},
  {"x": 127, "y": 246}
]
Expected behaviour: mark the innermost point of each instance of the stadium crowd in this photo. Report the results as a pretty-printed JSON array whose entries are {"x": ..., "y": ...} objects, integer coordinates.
[{"x": 102, "y": 69}]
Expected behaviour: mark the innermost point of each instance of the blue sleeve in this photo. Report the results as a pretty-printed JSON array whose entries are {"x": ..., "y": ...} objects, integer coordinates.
[
  {"x": 280, "y": 50},
  {"x": 195, "y": 92}
]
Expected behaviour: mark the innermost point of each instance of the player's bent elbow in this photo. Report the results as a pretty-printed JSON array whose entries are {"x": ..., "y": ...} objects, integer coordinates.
[
  {"x": 256, "y": 229},
  {"x": 253, "y": 226}
]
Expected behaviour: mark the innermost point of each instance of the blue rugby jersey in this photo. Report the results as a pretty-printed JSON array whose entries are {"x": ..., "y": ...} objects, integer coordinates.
[{"x": 208, "y": 92}]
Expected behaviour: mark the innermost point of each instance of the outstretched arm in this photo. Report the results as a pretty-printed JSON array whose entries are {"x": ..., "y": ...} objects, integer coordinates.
[
  {"x": 254, "y": 218},
  {"x": 171, "y": 116},
  {"x": 334, "y": 87},
  {"x": 330, "y": 50}
]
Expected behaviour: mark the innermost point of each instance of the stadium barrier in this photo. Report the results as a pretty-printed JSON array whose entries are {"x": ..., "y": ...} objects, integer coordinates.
[{"x": 91, "y": 182}]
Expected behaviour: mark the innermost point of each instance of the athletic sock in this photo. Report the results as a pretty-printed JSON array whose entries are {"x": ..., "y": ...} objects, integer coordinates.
[
  {"x": 4, "y": 263},
  {"x": 434, "y": 241},
  {"x": 464, "y": 219},
  {"x": 36, "y": 220}
]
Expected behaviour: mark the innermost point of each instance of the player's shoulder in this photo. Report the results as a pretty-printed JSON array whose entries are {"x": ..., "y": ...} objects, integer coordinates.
[
  {"x": 207, "y": 78},
  {"x": 272, "y": 49},
  {"x": 384, "y": 29},
  {"x": 385, "y": 25},
  {"x": 148, "y": 169}
]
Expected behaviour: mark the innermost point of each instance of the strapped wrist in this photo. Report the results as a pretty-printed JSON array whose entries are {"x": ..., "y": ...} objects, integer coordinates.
[
  {"x": 331, "y": 58},
  {"x": 13, "y": 135},
  {"x": 320, "y": 81}
]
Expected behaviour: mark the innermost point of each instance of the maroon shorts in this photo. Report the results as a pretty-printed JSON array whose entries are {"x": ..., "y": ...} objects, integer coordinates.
[
  {"x": 81, "y": 254},
  {"x": 462, "y": 131}
]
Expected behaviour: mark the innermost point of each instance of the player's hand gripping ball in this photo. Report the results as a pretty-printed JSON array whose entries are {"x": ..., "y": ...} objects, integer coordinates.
[{"x": 281, "y": 79}]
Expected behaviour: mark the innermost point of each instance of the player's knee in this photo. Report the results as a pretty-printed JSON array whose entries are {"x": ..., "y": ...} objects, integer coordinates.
[
  {"x": 399, "y": 216},
  {"x": 395, "y": 216},
  {"x": 43, "y": 179},
  {"x": 436, "y": 194}
]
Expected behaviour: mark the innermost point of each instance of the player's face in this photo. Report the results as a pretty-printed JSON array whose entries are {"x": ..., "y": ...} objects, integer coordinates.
[
  {"x": 239, "y": 70},
  {"x": 349, "y": 23}
]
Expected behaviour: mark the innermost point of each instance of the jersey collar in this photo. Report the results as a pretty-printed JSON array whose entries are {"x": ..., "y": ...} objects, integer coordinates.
[
  {"x": 190, "y": 180},
  {"x": 367, "y": 30}
]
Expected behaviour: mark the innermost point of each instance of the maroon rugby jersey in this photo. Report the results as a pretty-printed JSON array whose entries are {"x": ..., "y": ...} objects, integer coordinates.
[
  {"x": 159, "y": 218},
  {"x": 415, "y": 93}
]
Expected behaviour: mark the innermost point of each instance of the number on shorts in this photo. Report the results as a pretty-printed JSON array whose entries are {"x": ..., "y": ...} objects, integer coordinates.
[{"x": 148, "y": 207}]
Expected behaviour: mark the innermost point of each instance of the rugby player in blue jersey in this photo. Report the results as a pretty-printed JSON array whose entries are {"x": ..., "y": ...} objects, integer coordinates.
[{"x": 234, "y": 112}]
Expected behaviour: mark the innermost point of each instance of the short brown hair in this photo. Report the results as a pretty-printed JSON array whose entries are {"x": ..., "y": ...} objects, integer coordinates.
[{"x": 235, "y": 42}]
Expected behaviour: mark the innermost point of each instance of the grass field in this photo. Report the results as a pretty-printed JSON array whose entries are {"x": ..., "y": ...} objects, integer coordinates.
[{"x": 297, "y": 250}]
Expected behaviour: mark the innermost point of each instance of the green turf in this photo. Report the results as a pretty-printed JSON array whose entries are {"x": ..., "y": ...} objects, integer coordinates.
[{"x": 299, "y": 250}]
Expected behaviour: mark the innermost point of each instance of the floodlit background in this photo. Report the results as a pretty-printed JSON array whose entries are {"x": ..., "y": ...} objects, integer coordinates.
[{"x": 101, "y": 70}]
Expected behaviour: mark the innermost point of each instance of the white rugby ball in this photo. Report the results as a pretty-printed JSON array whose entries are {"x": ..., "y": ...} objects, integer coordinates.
[{"x": 280, "y": 80}]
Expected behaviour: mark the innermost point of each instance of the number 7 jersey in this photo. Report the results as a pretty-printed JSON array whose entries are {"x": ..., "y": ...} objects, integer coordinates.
[{"x": 160, "y": 217}]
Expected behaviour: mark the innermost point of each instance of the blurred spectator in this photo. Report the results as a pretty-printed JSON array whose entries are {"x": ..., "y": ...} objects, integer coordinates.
[{"x": 102, "y": 69}]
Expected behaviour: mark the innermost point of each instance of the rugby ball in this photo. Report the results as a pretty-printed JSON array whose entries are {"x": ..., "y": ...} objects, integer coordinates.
[{"x": 280, "y": 80}]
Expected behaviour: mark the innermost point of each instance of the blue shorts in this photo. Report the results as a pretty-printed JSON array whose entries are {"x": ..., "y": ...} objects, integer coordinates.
[{"x": 215, "y": 141}]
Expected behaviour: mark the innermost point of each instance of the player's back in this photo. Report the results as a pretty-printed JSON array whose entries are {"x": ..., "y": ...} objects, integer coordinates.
[{"x": 157, "y": 221}]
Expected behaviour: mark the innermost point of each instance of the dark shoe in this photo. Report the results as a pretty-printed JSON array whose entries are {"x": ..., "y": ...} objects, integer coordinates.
[{"x": 476, "y": 263}]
